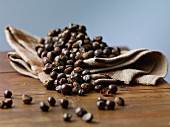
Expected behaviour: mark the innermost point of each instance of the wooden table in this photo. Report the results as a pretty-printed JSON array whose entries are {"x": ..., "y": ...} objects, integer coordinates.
[{"x": 145, "y": 105}]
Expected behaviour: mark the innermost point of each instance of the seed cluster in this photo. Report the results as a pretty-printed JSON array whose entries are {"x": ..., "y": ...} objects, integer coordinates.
[
  {"x": 63, "y": 51},
  {"x": 103, "y": 104},
  {"x": 64, "y": 103}
]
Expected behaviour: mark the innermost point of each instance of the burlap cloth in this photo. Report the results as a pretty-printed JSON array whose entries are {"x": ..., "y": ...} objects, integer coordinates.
[{"x": 141, "y": 66}]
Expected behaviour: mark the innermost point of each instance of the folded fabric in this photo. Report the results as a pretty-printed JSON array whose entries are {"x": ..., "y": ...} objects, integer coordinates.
[{"x": 141, "y": 66}]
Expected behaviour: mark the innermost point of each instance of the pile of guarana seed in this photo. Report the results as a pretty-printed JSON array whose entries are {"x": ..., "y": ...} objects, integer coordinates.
[{"x": 63, "y": 51}]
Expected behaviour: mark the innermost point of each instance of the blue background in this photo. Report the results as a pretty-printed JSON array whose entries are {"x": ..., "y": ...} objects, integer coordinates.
[{"x": 131, "y": 23}]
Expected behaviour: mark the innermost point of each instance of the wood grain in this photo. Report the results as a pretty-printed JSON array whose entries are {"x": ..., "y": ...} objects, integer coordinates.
[{"x": 145, "y": 105}]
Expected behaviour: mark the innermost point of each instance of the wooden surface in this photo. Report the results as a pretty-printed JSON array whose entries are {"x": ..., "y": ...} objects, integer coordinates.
[{"x": 146, "y": 106}]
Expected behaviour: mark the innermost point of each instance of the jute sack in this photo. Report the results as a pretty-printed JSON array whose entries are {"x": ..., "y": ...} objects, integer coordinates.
[{"x": 142, "y": 66}]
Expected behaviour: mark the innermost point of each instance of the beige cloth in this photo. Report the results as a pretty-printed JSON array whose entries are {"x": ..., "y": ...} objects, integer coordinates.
[{"x": 141, "y": 66}]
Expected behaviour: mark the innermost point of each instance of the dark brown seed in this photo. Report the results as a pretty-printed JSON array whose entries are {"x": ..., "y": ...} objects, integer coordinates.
[
  {"x": 50, "y": 85},
  {"x": 66, "y": 89},
  {"x": 56, "y": 82},
  {"x": 62, "y": 81},
  {"x": 72, "y": 56},
  {"x": 66, "y": 34},
  {"x": 65, "y": 52},
  {"x": 68, "y": 70},
  {"x": 79, "y": 56},
  {"x": 80, "y": 36},
  {"x": 120, "y": 101},
  {"x": 86, "y": 47},
  {"x": 86, "y": 87},
  {"x": 116, "y": 51},
  {"x": 67, "y": 117},
  {"x": 52, "y": 33},
  {"x": 42, "y": 41},
  {"x": 110, "y": 105},
  {"x": 98, "y": 52},
  {"x": 48, "y": 40},
  {"x": 98, "y": 38},
  {"x": 27, "y": 99},
  {"x": 105, "y": 91},
  {"x": 82, "y": 28},
  {"x": 61, "y": 75},
  {"x": 72, "y": 40},
  {"x": 44, "y": 54},
  {"x": 59, "y": 43},
  {"x": 96, "y": 45},
  {"x": 60, "y": 69},
  {"x": 47, "y": 70},
  {"x": 81, "y": 92},
  {"x": 76, "y": 77},
  {"x": 75, "y": 89},
  {"x": 46, "y": 60},
  {"x": 39, "y": 51},
  {"x": 73, "y": 27},
  {"x": 8, "y": 103},
  {"x": 87, "y": 117},
  {"x": 103, "y": 45},
  {"x": 86, "y": 78},
  {"x": 79, "y": 63},
  {"x": 98, "y": 88},
  {"x": 51, "y": 101},
  {"x": 70, "y": 62},
  {"x": 80, "y": 111},
  {"x": 44, "y": 107},
  {"x": 48, "y": 46},
  {"x": 91, "y": 53},
  {"x": 101, "y": 105},
  {"x": 107, "y": 51},
  {"x": 58, "y": 88},
  {"x": 7, "y": 94},
  {"x": 86, "y": 55},
  {"x": 57, "y": 50},
  {"x": 113, "y": 89},
  {"x": 75, "y": 45},
  {"x": 64, "y": 103},
  {"x": 77, "y": 70},
  {"x": 53, "y": 75},
  {"x": 51, "y": 55}
]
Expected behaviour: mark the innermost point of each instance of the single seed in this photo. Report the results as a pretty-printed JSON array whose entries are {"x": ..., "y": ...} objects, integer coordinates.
[
  {"x": 81, "y": 92},
  {"x": 51, "y": 101},
  {"x": 64, "y": 103},
  {"x": 44, "y": 107},
  {"x": 8, "y": 103},
  {"x": 67, "y": 117},
  {"x": 113, "y": 89},
  {"x": 7, "y": 94},
  {"x": 101, "y": 105},
  {"x": 110, "y": 105},
  {"x": 27, "y": 99},
  {"x": 66, "y": 89},
  {"x": 120, "y": 101},
  {"x": 87, "y": 117}
]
